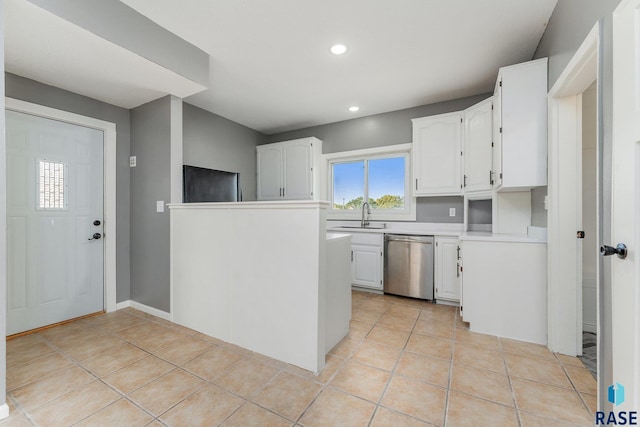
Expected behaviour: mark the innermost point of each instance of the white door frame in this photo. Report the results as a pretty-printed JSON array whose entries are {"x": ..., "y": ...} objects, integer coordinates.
[
  {"x": 564, "y": 202},
  {"x": 109, "y": 130}
]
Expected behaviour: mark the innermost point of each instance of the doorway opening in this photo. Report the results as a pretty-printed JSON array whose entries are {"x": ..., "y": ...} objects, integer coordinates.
[
  {"x": 575, "y": 116},
  {"x": 590, "y": 255}
]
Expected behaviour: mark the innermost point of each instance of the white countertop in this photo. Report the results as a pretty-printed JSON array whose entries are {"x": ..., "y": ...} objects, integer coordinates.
[
  {"x": 491, "y": 237},
  {"x": 411, "y": 228},
  {"x": 536, "y": 235}
]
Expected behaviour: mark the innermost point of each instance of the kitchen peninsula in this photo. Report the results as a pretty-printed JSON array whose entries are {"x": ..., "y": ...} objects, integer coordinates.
[{"x": 254, "y": 274}]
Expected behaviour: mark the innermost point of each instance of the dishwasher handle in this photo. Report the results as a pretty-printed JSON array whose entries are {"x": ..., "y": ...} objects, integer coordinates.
[{"x": 391, "y": 238}]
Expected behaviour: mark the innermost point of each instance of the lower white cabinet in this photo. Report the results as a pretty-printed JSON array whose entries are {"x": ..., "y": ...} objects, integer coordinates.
[
  {"x": 447, "y": 269},
  {"x": 505, "y": 289},
  {"x": 366, "y": 260}
]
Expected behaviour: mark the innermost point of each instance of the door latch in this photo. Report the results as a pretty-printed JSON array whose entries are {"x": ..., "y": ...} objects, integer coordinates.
[{"x": 96, "y": 236}]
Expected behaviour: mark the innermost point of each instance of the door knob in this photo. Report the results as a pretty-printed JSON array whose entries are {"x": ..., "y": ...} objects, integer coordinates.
[
  {"x": 97, "y": 222},
  {"x": 96, "y": 236},
  {"x": 620, "y": 250}
]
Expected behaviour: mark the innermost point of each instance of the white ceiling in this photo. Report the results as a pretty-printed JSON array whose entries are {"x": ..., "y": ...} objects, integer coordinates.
[
  {"x": 271, "y": 70},
  {"x": 46, "y": 48}
]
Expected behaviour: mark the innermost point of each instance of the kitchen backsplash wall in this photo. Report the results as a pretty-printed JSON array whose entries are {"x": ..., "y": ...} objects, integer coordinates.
[{"x": 436, "y": 209}]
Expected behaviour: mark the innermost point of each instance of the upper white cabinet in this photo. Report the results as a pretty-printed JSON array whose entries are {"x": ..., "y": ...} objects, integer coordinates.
[
  {"x": 288, "y": 170},
  {"x": 437, "y": 152},
  {"x": 520, "y": 126},
  {"x": 478, "y": 141}
]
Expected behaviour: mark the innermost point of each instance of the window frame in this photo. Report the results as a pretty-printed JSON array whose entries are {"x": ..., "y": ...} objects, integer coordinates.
[{"x": 391, "y": 151}]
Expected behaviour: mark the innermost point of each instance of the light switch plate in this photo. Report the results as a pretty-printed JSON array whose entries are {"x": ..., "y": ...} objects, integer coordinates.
[
  {"x": 132, "y": 161},
  {"x": 452, "y": 211},
  {"x": 160, "y": 206}
]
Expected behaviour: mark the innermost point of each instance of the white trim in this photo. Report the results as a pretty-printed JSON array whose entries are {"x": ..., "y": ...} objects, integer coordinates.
[
  {"x": 146, "y": 309},
  {"x": 564, "y": 308},
  {"x": 387, "y": 149},
  {"x": 109, "y": 130},
  {"x": 176, "y": 149},
  {"x": 4, "y": 411}
]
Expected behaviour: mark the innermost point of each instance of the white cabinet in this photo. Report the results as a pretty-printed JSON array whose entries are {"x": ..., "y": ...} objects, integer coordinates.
[
  {"x": 366, "y": 260},
  {"x": 437, "y": 153},
  {"x": 505, "y": 289},
  {"x": 478, "y": 141},
  {"x": 447, "y": 269},
  {"x": 288, "y": 170},
  {"x": 520, "y": 126}
]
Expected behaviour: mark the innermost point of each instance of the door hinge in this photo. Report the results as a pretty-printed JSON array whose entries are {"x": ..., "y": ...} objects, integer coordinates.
[
  {"x": 500, "y": 83},
  {"x": 580, "y": 234},
  {"x": 501, "y": 130},
  {"x": 380, "y": 253},
  {"x": 461, "y": 153},
  {"x": 461, "y": 308},
  {"x": 381, "y": 281},
  {"x": 461, "y": 121},
  {"x": 492, "y": 143},
  {"x": 500, "y": 175}
]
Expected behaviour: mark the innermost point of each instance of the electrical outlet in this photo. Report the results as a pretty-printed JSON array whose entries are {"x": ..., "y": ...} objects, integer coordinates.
[
  {"x": 452, "y": 211},
  {"x": 132, "y": 161},
  {"x": 160, "y": 206}
]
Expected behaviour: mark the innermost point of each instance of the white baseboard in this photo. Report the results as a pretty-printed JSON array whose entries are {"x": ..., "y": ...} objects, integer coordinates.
[
  {"x": 4, "y": 411},
  {"x": 590, "y": 327},
  {"x": 123, "y": 304},
  {"x": 145, "y": 308}
]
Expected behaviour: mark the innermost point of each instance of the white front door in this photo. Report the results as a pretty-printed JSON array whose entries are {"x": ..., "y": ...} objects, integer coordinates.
[
  {"x": 54, "y": 221},
  {"x": 625, "y": 209}
]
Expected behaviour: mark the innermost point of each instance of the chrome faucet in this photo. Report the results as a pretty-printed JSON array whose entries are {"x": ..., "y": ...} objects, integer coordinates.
[{"x": 364, "y": 223}]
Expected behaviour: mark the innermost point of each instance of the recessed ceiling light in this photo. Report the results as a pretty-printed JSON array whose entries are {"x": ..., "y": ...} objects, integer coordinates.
[
  {"x": 354, "y": 108},
  {"x": 338, "y": 49}
]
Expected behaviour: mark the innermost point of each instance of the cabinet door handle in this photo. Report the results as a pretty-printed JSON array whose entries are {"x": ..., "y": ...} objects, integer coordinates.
[
  {"x": 416, "y": 183},
  {"x": 458, "y": 249},
  {"x": 465, "y": 180},
  {"x": 490, "y": 177},
  {"x": 351, "y": 256},
  {"x": 458, "y": 270}
]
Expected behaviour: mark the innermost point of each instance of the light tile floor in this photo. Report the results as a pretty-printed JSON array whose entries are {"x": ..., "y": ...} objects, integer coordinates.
[{"x": 404, "y": 363}]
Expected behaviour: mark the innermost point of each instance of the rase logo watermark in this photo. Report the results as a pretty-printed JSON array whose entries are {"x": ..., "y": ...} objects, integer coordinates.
[{"x": 615, "y": 395}]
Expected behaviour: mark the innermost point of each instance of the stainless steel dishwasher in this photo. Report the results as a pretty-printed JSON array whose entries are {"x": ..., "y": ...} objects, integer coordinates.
[{"x": 408, "y": 265}]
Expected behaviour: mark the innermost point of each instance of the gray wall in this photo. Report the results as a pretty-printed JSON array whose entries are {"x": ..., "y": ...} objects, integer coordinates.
[
  {"x": 211, "y": 141},
  {"x": 569, "y": 25},
  {"x": 3, "y": 232},
  {"x": 389, "y": 129},
  {"x": 38, "y": 93},
  {"x": 538, "y": 211},
  {"x": 150, "y": 182},
  {"x": 377, "y": 130},
  {"x": 436, "y": 209}
]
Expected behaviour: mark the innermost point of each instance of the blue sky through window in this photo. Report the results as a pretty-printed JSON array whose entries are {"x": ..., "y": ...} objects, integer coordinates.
[{"x": 386, "y": 177}]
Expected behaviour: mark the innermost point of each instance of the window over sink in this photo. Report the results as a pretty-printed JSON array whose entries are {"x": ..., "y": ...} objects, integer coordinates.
[{"x": 379, "y": 176}]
